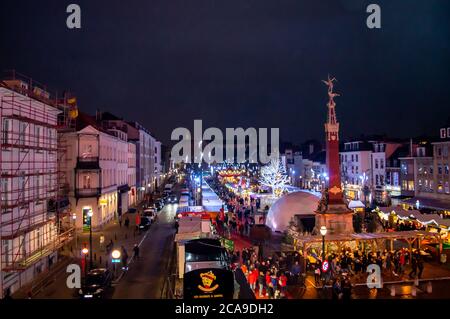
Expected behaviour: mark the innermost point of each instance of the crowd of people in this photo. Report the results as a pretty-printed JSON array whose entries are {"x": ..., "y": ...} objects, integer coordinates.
[
  {"x": 270, "y": 276},
  {"x": 349, "y": 263},
  {"x": 238, "y": 213}
]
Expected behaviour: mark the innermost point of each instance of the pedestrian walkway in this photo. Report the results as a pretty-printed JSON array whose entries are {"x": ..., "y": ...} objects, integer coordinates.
[{"x": 120, "y": 235}]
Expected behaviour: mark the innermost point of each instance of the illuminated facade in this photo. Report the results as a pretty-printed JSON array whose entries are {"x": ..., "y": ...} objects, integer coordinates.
[{"x": 98, "y": 171}]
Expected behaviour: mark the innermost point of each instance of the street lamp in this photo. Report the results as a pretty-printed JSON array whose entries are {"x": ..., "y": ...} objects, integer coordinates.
[
  {"x": 85, "y": 251},
  {"x": 323, "y": 232},
  {"x": 115, "y": 259},
  {"x": 90, "y": 214}
]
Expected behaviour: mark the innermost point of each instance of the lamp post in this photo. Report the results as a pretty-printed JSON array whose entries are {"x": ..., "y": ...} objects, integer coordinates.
[
  {"x": 323, "y": 232},
  {"x": 115, "y": 259},
  {"x": 90, "y": 214},
  {"x": 85, "y": 251}
]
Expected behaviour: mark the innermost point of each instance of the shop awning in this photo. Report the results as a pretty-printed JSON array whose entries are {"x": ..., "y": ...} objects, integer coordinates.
[{"x": 355, "y": 204}]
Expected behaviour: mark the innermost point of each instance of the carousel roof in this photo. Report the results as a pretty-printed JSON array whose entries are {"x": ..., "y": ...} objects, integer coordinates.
[{"x": 295, "y": 203}]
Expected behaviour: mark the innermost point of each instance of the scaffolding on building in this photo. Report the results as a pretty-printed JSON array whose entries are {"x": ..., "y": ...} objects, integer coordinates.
[{"x": 34, "y": 193}]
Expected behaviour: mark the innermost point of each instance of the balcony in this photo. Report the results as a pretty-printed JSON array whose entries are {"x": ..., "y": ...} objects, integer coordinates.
[
  {"x": 87, "y": 192},
  {"x": 91, "y": 162}
]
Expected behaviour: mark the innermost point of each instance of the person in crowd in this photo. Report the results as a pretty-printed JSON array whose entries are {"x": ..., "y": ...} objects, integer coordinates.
[
  {"x": 136, "y": 251},
  {"x": 253, "y": 278},
  {"x": 261, "y": 278},
  {"x": 269, "y": 285},
  {"x": 274, "y": 284},
  {"x": 282, "y": 283},
  {"x": 420, "y": 265},
  {"x": 346, "y": 288},
  {"x": 336, "y": 291},
  {"x": 413, "y": 272},
  {"x": 295, "y": 271},
  {"x": 317, "y": 274}
]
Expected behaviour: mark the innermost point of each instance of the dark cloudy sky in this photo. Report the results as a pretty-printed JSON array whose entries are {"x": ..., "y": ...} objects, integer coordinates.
[{"x": 241, "y": 62}]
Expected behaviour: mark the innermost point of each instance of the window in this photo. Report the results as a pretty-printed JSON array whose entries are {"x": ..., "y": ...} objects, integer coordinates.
[
  {"x": 22, "y": 183},
  {"x": 439, "y": 169},
  {"x": 440, "y": 188},
  {"x": 356, "y": 157},
  {"x": 381, "y": 163},
  {"x": 376, "y": 163},
  {"x": 352, "y": 158},
  {"x": 411, "y": 185},
  {"x": 86, "y": 181},
  {"x": 22, "y": 132},
  {"x": 6, "y": 251},
  {"x": 4, "y": 189},
  {"x": 404, "y": 185},
  {"x": 439, "y": 151},
  {"x": 6, "y": 127},
  {"x": 37, "y": 136},
  {"x": 377, "y": 179},
  {"x": 445, "y": 151}
]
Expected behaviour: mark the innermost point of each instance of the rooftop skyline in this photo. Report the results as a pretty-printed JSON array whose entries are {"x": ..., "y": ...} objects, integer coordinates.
[{"x": 242, "y": 63}]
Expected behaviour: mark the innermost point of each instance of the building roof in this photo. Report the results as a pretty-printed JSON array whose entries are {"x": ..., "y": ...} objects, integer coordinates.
[{"x": 83, "y": 120}]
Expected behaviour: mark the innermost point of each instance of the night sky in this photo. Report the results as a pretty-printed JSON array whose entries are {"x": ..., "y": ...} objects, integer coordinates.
[{"x": 241, "y": 62}]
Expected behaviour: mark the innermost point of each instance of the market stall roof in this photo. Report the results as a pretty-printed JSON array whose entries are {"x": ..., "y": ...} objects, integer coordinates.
[
  {"x": 388, "y": 210},
  {"x": 416, "y": 214},
  {"x": 190, "y": 224},
  {"x": 432, "y": 203},
  {"x": 186, "y": 209},
  {"x": 367, "y": 236},
  {"x": 210, "y": 200},
  {"x": 355, "y": 204}
]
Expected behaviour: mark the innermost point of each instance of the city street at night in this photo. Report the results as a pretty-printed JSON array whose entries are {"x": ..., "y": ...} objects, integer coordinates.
[{"x": 214, "y": 158}]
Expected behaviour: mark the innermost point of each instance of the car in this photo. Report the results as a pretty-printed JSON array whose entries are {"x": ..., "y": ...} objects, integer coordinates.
[
  {"x": 150, "y": 213},
  {"x": 96, "y": 284},
  {"x": 145, "y": 223},
  {"x": 159, "y": 204},
  {"x": 173, "y": 199}
]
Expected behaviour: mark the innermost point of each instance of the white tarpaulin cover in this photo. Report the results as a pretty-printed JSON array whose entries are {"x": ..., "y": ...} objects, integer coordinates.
[{"x": 286, "y": 207}]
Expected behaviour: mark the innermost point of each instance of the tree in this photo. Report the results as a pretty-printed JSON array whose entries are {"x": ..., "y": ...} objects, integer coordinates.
[{"x": 274, "y": 176}]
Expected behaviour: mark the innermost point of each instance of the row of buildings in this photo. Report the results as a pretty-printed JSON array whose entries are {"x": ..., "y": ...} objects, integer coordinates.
[
  {"x": 61, "y": 171},
  {"x": 379, "y": 170}
]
